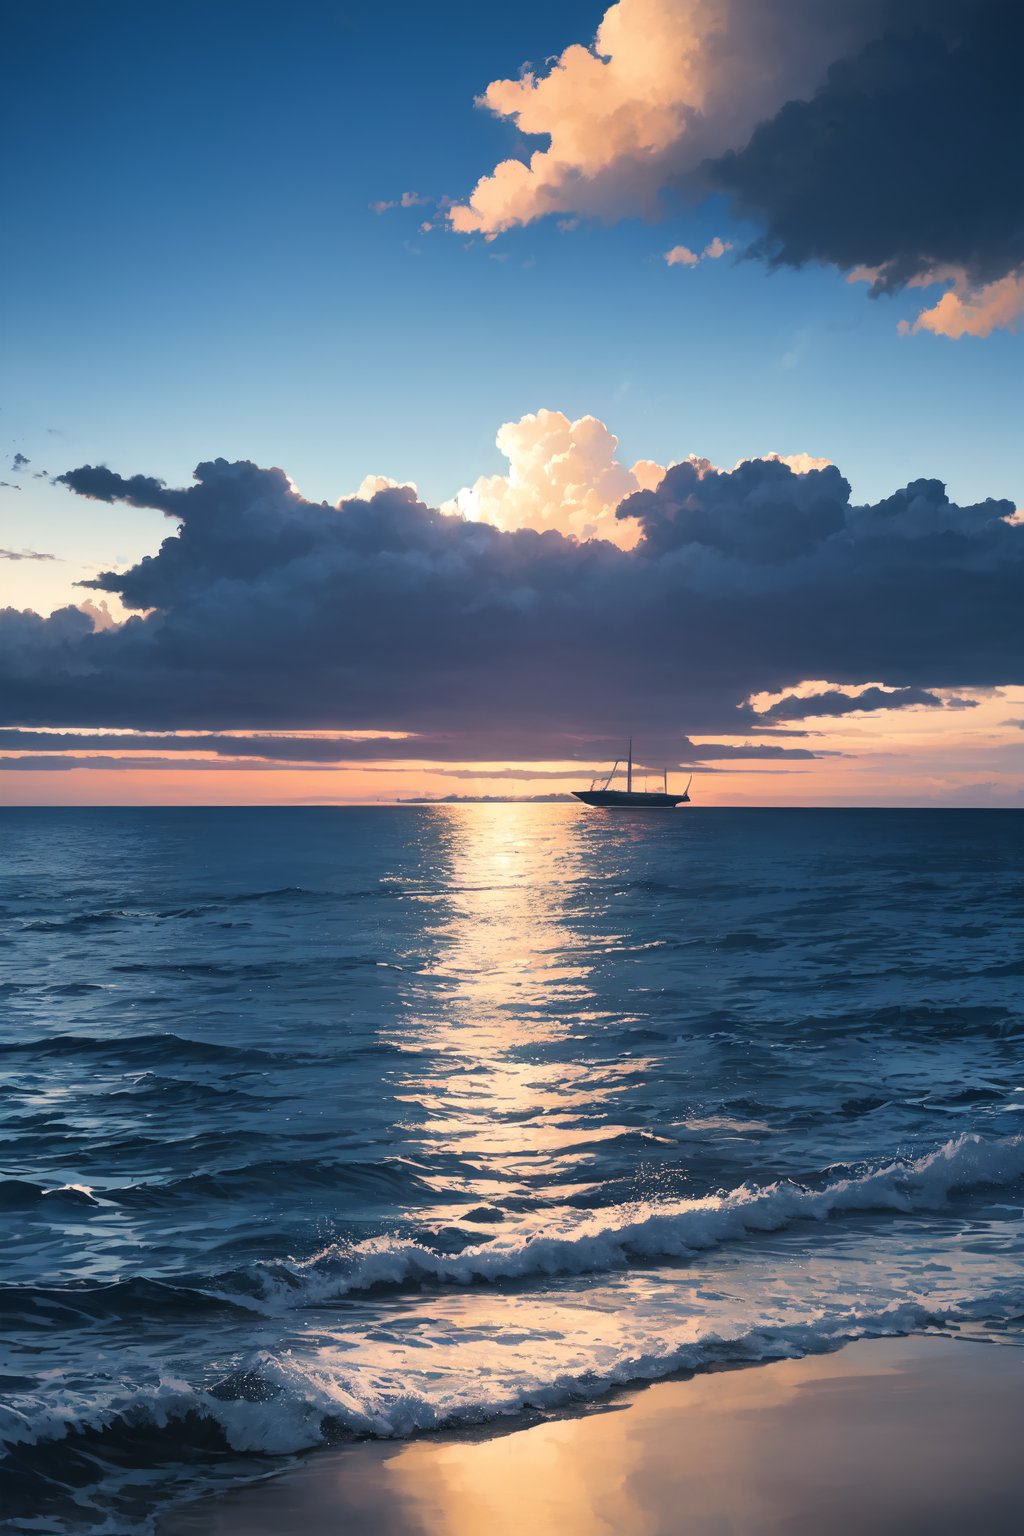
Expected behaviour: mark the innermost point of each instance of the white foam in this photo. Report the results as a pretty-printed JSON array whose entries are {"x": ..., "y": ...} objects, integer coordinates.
[
  {"x": 294, "y": 1402},
  {"x": 385, "y": 1382},
  {"x": 584, "y": 1242}
]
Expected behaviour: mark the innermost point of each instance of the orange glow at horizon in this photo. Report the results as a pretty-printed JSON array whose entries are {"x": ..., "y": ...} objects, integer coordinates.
[{"x": 898, "y": 757}]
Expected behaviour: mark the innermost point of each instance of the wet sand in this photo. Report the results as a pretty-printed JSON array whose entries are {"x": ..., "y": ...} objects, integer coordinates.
[{"x": 919, "y": 1436}]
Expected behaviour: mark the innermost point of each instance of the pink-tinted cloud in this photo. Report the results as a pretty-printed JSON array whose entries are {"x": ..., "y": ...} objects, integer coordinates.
[
  {"x": 562, "y": 475},
  {"x": 682, "y": 256},
  {"x": 407, "y": 200},
  {"x": 871, "y": 136},
  {"x": 964, "y": 310},
  {"x": 369, "y": 485},
  {"x": 664, "y": 84}
]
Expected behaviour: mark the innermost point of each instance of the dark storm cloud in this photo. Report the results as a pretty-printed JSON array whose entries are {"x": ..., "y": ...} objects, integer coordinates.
[
  {"x": 833, "y": 701},
  {"x": 101, "y": 484},
  {"x": 760, "y": 513},
  {"x": 907, "y": 159},
  {"x": 53, "y": 762},
  {"x": 270, "y": 612},
  {"x": 318, "y": 751}
]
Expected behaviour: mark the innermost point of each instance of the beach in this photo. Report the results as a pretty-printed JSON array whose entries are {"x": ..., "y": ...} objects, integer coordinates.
[{"x": 899, "y": 1437}]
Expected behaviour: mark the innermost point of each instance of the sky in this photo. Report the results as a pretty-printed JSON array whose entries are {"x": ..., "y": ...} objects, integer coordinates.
[{"x": 554, "y": 372}]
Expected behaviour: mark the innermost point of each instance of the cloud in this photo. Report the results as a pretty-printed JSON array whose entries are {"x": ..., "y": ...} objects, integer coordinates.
[
  {"x": 682, "y": 256},
  {"x": 664, "y": 84},
  {"x": 263, "y": 611},
  {"x": 834, "y": 701},
  {"x": 870, "y": 171},
  {"x": 406, "y": 200},
  {"x": 19, "y": 462},
  {"x": 24, "y": 554},
  {"x": 799, "y": 463},
  {"x": 99, "y": 613},
  {"x": 873, "y": 135},
  {"x": 897, "y": 164},
  {"x": 369, "y": 485},
  {"x": 563, "y": 475},
  {"x": 334, "y": 750},
  {"x": 966, "y": 311},
  {"x": 99, "y": 483},
  {"x": 760, "y": 513},
  {"x": 54, "y": 763}
]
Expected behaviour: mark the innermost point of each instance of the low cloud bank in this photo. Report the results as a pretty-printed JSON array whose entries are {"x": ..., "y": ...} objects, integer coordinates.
[
  {"x": 833, "y": 702},
  {"x": 263, "y": 611}
]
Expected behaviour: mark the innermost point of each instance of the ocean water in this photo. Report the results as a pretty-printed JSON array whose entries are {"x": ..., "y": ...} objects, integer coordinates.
[{"x": 324, "y": 1122}]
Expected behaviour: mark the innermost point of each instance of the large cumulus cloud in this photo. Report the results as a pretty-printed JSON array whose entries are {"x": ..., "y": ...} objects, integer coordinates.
[
  {"x": 265, "y": 611},
  {"x": 566, "y": 475},
  {"x": 878, "y": 136},
  {"x": 664, "y": 84},
  {"x": 562, "y": 474}
]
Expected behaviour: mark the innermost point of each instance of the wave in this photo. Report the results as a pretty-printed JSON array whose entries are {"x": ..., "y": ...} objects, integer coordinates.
[
  {"x": 179, "y": 1093},
  {"x": 954, "y": 1021},
  {"x": 279, "y": 1404},
  {"x": 23, "y": 1195},
  {"x": 562, "y": 1241},
  {"x": 45, "y": 1307},
  {"x": 678, "y": 1229},
  {"x": 368, "y": 1382},
  {"x": 81, "y": 921},
  {"x": 570, "y": 1243},
  {"x": 161, "y": 1046},
  {"x": 102, "y": 916},
  {"x": 236, "y": 970},
  {"x": 391, "y": 1178}
]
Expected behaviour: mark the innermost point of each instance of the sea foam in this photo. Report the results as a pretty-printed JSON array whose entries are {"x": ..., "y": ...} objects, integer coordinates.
[
  {"x": 572, "y": 1243},
  {"x": 278, "y": 1404}
]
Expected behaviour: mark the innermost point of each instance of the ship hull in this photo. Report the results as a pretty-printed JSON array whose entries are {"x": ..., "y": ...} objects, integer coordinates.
[{"x": 629, "y": 800}]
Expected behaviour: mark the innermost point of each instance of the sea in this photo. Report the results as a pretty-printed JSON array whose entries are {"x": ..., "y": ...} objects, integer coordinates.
[{"x": 323, "y": 1123}]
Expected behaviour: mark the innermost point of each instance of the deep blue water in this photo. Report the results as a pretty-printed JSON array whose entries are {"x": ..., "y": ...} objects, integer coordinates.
[{"x": 325, "y": 1121}]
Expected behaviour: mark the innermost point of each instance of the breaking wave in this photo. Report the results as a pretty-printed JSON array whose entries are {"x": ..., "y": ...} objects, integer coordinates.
[
  {"x": 279, "y": 1404},
  {"x": 668, "y": 1230}
]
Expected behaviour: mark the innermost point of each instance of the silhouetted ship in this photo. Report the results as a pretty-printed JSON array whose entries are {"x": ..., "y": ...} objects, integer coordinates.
[{"x": 630, "y": 799}]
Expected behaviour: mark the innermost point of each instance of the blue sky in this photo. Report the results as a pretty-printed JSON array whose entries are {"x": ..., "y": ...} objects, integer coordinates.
[{"x": 191, "y": 269}]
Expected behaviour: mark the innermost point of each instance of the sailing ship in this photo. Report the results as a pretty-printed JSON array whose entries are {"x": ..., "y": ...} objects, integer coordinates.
[{"x": 630, "y": 799}]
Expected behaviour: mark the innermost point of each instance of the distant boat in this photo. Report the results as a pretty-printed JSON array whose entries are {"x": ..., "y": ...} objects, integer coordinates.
[{"x": 630, "y": 799}]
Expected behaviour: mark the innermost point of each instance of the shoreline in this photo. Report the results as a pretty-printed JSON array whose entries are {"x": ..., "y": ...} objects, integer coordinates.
[{"x": 910, "y": 1436}]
